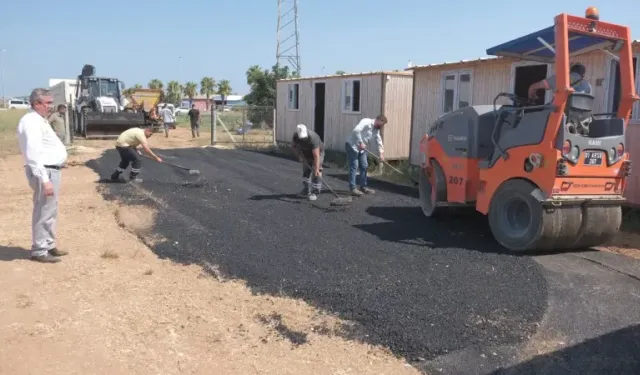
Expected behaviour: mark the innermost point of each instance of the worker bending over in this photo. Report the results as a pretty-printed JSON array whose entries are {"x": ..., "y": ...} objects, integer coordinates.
[
  {"x": 576, "y": 80},
  {"x": 308, "y": 146},
  {"x": 126, "y": 144},
  {"x": 356, "y": 148}
]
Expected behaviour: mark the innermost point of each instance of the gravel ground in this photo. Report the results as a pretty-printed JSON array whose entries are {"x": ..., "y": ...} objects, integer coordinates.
[{"x": 422, "y": 288}]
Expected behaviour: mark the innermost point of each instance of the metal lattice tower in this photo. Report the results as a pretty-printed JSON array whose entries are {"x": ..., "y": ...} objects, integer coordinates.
[{"x": 288, "y": 36}]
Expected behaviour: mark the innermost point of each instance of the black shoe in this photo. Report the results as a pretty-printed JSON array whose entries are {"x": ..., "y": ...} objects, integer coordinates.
[
  {"x": 57, "y": 253},
  {"x": 45, "y": 259},
  {"x": 115, "y": 176}
]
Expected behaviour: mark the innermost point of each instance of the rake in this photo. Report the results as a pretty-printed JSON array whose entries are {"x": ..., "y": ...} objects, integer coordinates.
[
  {"x": 338, "y": 201},
  {"x": 415, "y": 183},
  {"x": 193, "y": 172}
]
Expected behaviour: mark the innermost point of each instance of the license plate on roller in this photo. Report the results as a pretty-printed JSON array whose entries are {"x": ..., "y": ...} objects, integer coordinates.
[{"x": 593, "y": 157}]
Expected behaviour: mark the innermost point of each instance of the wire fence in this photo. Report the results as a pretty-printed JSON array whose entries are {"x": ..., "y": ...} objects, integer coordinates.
[{"x": 246, "y": 125}]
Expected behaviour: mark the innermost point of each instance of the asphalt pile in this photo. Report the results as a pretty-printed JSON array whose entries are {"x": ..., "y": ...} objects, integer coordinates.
[{"x": 418, "y": 286}]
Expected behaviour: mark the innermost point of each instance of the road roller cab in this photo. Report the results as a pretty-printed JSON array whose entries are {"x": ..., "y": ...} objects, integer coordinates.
[{"x": 548, "y": 176}]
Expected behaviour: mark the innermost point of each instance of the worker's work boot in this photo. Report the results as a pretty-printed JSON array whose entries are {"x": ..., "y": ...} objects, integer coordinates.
[
  {"x": 366, "y": 190},
  {"x": 133, "y": 177},
  {"x": 356, "y": 192},
  {"x": 115, "y": 176},
  {"x": 48, "y": 258},
  {"x": 57, "y": 252}
]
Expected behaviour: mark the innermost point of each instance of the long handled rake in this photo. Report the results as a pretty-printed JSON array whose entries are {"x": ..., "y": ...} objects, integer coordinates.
[
  {"x": 338, "y": 201},
  {"x": 415, "y": 183},
  {"x": 194, "y": 172}
]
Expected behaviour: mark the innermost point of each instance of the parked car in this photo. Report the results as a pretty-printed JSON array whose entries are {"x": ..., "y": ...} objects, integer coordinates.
[
  {"x": 18, "y": 104},
  {"x": 181, "y": 111}
]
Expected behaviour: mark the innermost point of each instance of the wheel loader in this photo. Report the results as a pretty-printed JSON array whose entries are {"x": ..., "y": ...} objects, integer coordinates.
[
  {"x": 548, "y": 176},
  {"x": 99, "y": 107}
]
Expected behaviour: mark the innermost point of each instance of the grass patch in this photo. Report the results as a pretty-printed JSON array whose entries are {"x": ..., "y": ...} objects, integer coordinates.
[
  {"x": 8, "y": 124},
  {"x": 108, "y": 254}
]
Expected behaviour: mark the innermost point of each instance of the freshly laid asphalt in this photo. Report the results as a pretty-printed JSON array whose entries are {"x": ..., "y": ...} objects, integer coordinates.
[{"x": 431, "y": 291}]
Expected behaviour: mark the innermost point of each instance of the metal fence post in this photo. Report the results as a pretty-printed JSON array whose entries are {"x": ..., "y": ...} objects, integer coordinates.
[
  {"x": 274, "y": 127},
  {"x": 213, "y": 123}
]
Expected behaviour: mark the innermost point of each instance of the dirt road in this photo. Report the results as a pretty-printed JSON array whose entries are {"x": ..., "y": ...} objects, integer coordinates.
[{"x": 114, "y": 307}]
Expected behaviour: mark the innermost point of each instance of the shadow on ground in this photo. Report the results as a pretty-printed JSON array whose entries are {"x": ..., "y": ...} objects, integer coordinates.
[
  {"x": 11, "y": 253},
  {"x": 457, "y": 230},
  {"x": 380, "y": 185},
  {"x": 617, "y": 352},
  {"x": 415, "y": 286}
]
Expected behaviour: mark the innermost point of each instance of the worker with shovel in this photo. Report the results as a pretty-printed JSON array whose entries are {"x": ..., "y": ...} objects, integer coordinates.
[
  {"x": 309, "y": 148},
  {"x": 126, "y": 144}
]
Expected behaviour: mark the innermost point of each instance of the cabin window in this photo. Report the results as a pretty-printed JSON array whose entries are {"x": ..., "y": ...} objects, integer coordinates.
[
  {"x": 351, "y": 96},
  {"x": 293, "y": 103},
  {"x": 457, "y": 90},
  {"x": 615, "y": 88}
]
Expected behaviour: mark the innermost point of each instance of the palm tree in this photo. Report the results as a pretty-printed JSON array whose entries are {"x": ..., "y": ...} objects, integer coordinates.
[
  {"x": 224, "y": 90},
  {"x": 254, "y": 73},
  {"x": 137, "y": 86},
  {"x": 208, "y": 88},
  {"x": 190, "y": 90},
  {"x": 174, "y": 92},
  {"x": 155, "y": 84}
]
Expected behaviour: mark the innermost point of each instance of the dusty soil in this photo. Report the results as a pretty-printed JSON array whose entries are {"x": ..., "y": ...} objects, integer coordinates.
[{"x": 113, "y": 307}]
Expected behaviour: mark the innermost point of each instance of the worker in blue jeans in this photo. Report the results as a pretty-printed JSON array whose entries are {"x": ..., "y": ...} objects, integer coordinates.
[{"x": 356, "y": 149}]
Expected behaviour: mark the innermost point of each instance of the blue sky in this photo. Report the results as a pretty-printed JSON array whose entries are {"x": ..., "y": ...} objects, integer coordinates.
[{"x": 137, "y": 42}]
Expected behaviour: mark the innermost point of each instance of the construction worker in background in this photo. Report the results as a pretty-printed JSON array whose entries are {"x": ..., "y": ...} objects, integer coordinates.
[
  {"x": 194, "y": 117},
  {"x": 126, "y": 144},
  {"x": 309, "y": 148},
  {"x": 356, "y": 148},
  {"x": 168, "y": 118},
  {"x": 57, "y": 122},
  {"x": 576, "y": 80}
]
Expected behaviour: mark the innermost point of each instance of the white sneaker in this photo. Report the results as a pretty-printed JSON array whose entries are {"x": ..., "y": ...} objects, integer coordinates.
[{"x": 313, "y": 197}]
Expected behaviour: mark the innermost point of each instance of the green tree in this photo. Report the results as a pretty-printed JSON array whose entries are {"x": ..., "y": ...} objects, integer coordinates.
[
  {"x": 156, "y": 84},
  {"x": 174, "y": 92},
  {"x": 190, "y": 90},
  {"x": 262, "y": 84},
  {"x": 137, "y": 86},
  {"x": 224, "y": 89},
  {"x": 262, "y": 94},
  {"x": 207, "y": 88},
  {"x": 340, "y": 72}
]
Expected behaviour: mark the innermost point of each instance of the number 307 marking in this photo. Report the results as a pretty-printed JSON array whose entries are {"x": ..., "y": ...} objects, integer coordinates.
[{"x": 456, "y": 180}]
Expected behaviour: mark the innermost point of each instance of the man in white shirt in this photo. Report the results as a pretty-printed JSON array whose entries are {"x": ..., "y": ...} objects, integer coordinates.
[
  {"x": 44, "y": 155},
  {"x": 168, "y": 118},
  {"x": 356, "y": 148}
]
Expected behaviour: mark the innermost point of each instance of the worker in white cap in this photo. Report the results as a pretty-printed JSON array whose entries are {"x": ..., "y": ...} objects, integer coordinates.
[{"x": 309, "y": 148}]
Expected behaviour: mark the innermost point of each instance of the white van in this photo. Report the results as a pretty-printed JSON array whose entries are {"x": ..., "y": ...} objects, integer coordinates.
[{"x": 18, "y": 104}]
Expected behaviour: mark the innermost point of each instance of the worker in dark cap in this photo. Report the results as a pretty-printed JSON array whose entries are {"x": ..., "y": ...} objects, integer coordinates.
[{"x": 576, "y": 79}]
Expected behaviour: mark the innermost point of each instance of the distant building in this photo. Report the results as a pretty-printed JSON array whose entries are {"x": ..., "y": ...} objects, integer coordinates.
[
  {"x": 201, "y": 101},
  {"x": 55, "y": 81}
]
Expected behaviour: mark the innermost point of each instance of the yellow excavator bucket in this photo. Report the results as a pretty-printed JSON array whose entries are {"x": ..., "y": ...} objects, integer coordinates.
[{"x": 145, "y": 99}]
